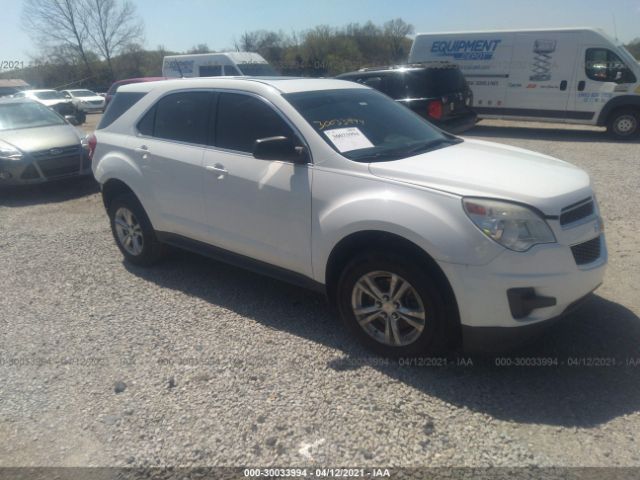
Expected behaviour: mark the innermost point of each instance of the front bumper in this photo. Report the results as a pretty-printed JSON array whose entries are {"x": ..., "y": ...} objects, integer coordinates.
[
  {"x": 548, "y": 271},
  {"x": 40, "y": 167},
  {"x": 91, "y": 108},
  {"x": 503, "y": 339}
]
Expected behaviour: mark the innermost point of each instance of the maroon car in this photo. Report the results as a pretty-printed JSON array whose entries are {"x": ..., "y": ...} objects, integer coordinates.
[{"x": 115, "y": 85}]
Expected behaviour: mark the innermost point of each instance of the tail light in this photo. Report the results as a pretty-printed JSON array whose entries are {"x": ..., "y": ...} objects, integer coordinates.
[
  {"x": 434, "y": 109},
  {"x": 92, "y": 142}
]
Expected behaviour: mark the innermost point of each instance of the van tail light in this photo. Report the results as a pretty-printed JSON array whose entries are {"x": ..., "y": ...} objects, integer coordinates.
[
  {"x": 92, "y": 142},
  {"x": 434, "y": 109}
]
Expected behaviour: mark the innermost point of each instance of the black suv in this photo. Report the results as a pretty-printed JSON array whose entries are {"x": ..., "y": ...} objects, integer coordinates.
[{"x": 436, "y": 91}]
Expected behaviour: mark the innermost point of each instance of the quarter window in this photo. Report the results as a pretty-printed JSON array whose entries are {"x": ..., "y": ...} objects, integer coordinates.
[
  {"x": 210, "y": 70},
  {"x": 243, "y": 119},
  {"x": 181, "y": 116},
  {"x": 602, "y": 65}
]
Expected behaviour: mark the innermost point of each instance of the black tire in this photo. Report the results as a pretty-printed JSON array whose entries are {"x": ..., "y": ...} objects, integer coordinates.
[
  {"x": 624, "y": 124},
  {"x": 431, "y": 340},
  {"x": 151, "y": 249},
  {"x": 81, "y": 117}
]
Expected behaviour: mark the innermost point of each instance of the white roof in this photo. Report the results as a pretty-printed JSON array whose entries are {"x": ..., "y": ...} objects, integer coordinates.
[
  {"x": 40, "y": 90},
  {"x": 523, "y": 30},
  {"x": 282, "y": 84},
  {"x": 236, "y": 57}
]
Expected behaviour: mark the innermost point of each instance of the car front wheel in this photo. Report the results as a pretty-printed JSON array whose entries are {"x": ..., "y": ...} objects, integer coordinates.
[
  {"x": 392, "y": 305},
  {"x": 133, "y": 232},
  {"x": 624, "y": 124}
]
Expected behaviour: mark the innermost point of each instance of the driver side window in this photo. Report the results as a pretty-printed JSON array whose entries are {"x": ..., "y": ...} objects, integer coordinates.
[
  {"x": 603, "y": 65},
  {"x": 243, "y": 119}
]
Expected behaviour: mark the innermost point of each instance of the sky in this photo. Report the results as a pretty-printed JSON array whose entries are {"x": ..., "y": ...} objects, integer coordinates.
[{"x": 180, "y": 24}]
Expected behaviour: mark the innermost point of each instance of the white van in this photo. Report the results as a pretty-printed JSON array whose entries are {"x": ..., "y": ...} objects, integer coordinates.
[
  {"x": 574, "y": 75},
  {"x": 217, "y": 65}
]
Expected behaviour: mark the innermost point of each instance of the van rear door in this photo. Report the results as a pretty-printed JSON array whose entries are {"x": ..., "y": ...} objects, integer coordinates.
[{"x": 541, "y": 78}]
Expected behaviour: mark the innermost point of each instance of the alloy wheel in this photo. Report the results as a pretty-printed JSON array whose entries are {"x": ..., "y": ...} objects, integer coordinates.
[
  {"x": 129, "y": 231},
  {"x": 388, "y": 308}
]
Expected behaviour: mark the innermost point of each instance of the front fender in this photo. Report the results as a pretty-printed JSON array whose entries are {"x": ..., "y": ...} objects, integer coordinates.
[
  {"x": 434, "y": 221},
  {"x": 617, "y": 102}
]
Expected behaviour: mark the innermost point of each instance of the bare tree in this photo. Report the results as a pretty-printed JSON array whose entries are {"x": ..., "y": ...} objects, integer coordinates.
[
  {"x": 199, "y": 48},
  {"x": 111, "y": 25},
  {"x": 397, "y": 31},
  {"x": 58, "y": 25}
]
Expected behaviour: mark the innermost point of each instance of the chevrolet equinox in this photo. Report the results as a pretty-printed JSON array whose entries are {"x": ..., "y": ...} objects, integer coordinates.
[{"x": 421, "y": 239}]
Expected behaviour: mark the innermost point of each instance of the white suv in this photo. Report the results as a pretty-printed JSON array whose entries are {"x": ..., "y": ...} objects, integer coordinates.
[{"x": 420, "y": 238}]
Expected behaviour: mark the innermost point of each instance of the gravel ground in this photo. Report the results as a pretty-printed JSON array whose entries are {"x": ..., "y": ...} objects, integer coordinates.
[{"x": 198, "y": 363}]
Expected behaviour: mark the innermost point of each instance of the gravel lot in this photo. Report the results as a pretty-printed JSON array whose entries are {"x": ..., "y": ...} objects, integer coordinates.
[{"x": 198, "y": 363}]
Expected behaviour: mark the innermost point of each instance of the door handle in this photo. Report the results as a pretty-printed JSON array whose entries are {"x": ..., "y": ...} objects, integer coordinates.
[
  {"x": 563, "y": 85},
  {"x": 144, "y": 151},
  {"x": 217, "y": 169},
  {"x": 581, "y": 85}
]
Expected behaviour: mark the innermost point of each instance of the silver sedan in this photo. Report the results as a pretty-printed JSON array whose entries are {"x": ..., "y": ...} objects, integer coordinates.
[{"x": 38, "y": 145}]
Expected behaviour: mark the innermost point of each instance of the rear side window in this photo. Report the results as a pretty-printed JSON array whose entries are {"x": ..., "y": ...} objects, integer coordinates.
[
  {"x": 243, "y": 119},
  {"x": 180, "y": 116},
  {"x": 210, "y": 70},
  {"x": 120, "y": 103},
  {"x": 231, "y": 70},
  {"x": 433, "y": 82}
]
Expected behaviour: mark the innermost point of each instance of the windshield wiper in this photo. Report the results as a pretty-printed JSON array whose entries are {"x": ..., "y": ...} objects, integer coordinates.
[
  {"x": 400, "y": 153},
  {"x": 431, "y": 145}
]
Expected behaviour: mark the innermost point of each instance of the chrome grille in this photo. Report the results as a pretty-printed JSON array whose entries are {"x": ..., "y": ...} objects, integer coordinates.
[
  {"x": 577, "y": 211},
  {"x": 587, "y": 252}
]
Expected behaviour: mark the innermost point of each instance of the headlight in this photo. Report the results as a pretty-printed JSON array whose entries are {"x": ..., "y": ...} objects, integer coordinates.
[
  {"x": 511, "y": 225},
  {"x": 9, "y": 152}
]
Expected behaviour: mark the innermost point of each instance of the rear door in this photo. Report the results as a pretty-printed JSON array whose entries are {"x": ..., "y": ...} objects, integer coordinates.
[
  {"x": 170, "y": 151},
  {"x": 541, "y": 79}
]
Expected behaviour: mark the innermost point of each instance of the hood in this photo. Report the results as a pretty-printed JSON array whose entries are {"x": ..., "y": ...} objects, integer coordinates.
[
  {"x": 486, "y": 169},
  {"x": 42, "y": 138}
]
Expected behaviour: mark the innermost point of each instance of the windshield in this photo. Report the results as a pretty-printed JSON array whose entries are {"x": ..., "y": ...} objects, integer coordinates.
[
  {"x": 258, "y": 70},
  {"x": 49, "y": 95},
  {"x": 83, "y": 93},
  {"x": 366, "y": 126},
  {"x": 27, "y": 115}
]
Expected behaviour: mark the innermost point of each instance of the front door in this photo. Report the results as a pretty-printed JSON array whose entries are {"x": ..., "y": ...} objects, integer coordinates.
[
  {"x": 257, "y": 208},
  {"x": 602, "y": 74}
]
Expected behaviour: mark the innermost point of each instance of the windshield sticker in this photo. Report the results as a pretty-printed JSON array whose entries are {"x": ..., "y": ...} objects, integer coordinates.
[
  {"x": 347, "y": 139},
  {"x": 337, "y": 122}
]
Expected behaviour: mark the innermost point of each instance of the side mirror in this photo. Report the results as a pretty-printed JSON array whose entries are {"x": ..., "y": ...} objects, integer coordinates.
[
  {"x": 279, "y": 148},
  {"x": 71, "y": 119}
]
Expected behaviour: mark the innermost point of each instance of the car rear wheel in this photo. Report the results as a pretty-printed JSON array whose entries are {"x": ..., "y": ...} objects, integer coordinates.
[
  {"x": 133, "y": 232},
  {"x": 624, "y": 124},
  {"x": 392, "y": 305}
]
